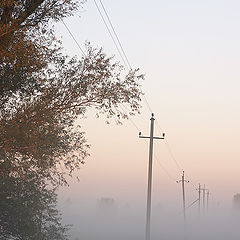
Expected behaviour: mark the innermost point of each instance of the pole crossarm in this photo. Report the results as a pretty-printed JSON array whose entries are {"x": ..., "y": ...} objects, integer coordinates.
[
  {"x": 183, "y": 179},
  {"x": 150, "y": 137}
]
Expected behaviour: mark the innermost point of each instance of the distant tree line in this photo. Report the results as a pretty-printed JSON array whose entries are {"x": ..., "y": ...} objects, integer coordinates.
[{"x": 236, "y": 201}]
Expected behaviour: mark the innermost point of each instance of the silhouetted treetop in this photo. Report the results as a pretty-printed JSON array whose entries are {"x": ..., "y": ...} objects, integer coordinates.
[
  {"x": 43, "y": 92},
  {"x": 20, "y": 14}
]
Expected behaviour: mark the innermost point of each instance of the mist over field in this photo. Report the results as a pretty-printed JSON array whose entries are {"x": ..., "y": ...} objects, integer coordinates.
[{"x": 127, "y": 222}]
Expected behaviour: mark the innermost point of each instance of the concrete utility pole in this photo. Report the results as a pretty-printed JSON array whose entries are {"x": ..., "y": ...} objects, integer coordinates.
[
  {"x": 183, "y": 192},
  {"x": 149, "y": 191}
]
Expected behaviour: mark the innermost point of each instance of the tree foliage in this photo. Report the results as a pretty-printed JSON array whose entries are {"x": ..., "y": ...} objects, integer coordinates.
[
  {"x": 38, "y": 128},
  {"x": 27, "y": 14},
  {"x": 28, "y": 211},
  {"x": 236, "y": 201},
  {"x": 42, "y": 94}
]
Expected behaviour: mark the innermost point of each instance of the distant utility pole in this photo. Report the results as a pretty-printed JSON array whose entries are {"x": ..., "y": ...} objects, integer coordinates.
[
  {"x": 199, "y": 198},
  {"x": 204, "y": 196},
  {"x": 149, "y": 191},
  {"x": 183, "y": 192},
  {"x": 208, "y": 193}
]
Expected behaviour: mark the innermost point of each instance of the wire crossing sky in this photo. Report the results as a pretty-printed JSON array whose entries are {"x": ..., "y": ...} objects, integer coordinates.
[{"x": 189, "y": 53}]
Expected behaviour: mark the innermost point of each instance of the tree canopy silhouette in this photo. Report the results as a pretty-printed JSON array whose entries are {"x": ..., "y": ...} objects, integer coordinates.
[
  {"x": 42, "y": 94},
  {"x": 28, "y": 210},
  {"x": 43, "y": 91}
]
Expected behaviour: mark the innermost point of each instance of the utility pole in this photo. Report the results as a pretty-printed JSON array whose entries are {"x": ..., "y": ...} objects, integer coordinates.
[
  {"x": 199, "y": 198},
  {"x": 149, "y": 191},
  {"x": 204, "y": 197},
  {"x": 208, "y": 193},
  {"x": 183, "y": 192}
]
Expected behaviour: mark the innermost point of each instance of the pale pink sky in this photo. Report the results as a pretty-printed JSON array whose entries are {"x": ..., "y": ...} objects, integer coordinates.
[{"x": 190, "y": 53}]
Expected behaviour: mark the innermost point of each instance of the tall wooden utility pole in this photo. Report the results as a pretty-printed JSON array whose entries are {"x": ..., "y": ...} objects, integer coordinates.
[
  {"x": 149, "y": 191},
  {"x": 183, "y": 192}
]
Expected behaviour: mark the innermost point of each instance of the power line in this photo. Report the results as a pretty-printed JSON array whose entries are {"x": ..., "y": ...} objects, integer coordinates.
[
  {"x": 155, "y": 156},
  {"x": 119, "y": 43},
  {"x": 73, "y": 37},
  {"x": 192, "y": 204},
  {"x": 109, "y": 31},
  {"x": 157, "y": 160},
  {"x": 163, "y": 168},
  {"x": 105, "y": 11},
  {"x": 194, "y": 186},
  {"x": 147, "y": 104},
  {"x": 179, "y": 167},
  {"x": 172, "y": 156},
  {"x": 144, "y": 97},
  {"x": 133, "y": 123},
  {"x": 160, "y": 164},
  {"x": 169, "y": 149}
]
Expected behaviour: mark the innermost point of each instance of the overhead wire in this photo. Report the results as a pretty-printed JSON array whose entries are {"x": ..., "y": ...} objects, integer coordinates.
[
  {"x": 109, "y": 31},
  {"x": 144, "y": 97},
  {"x": 194, "y": 186},
  {"x": 192, "y": 204},
  {"x": 147, "y": 104},
  {"x": 71, "y": 34},
  {"x": 112, "y": 27},
  {"x": 163, "y": 168},
  {"x": 128, "y": 65},
  {"x": 133, "y": 123},
  {"x": 155, "y": 156},
  {"x": 178, "y": 165},
  {"x": 121, "y": 106},
  {"x": 128, "y": 62},
  {"x": 161, "y": 165}
]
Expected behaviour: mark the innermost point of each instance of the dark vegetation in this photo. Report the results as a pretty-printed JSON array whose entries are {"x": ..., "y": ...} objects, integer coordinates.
[{"x": 42, "y": 93}]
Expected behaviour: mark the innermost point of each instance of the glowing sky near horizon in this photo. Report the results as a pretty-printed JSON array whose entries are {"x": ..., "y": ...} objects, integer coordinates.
[{"x": 190, "y": 53}]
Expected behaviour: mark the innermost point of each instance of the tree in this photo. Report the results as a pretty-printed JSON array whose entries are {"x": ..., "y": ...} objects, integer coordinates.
[
  {"x": 28, "y": 211},
  {"x": 25, "y": 38},
  {"x": 236, "y": 201},
  {"x": 43, "y": 92},
  {"x": 38, "y": 131},
  {"x": 106, "y": 203}
]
